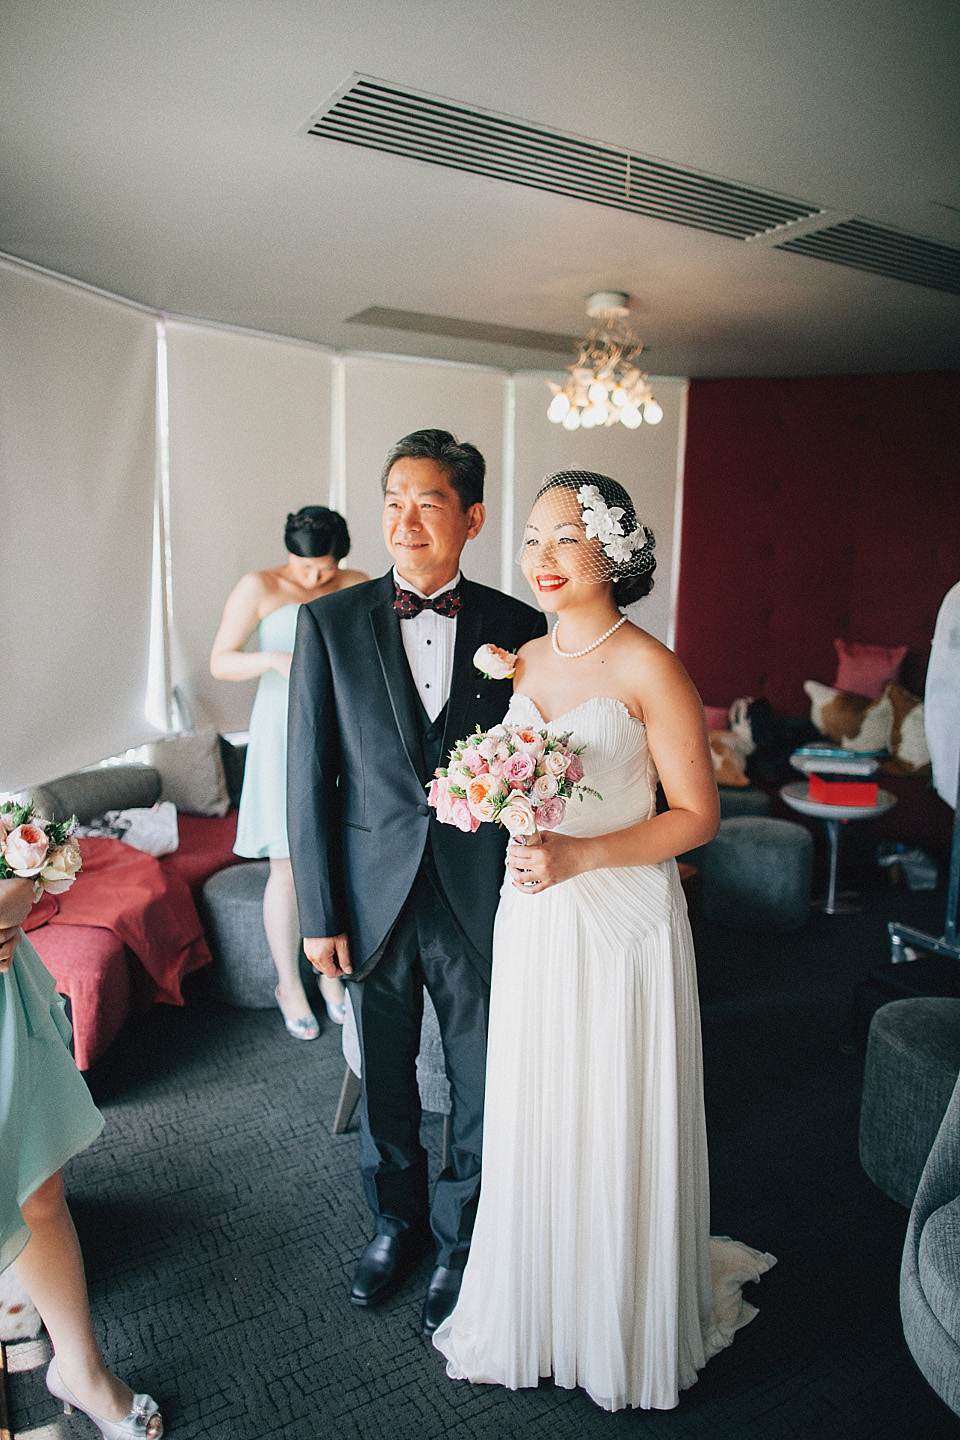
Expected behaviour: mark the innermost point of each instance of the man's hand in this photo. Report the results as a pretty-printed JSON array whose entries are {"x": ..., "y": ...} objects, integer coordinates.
[{"x": 330, "y": 955}]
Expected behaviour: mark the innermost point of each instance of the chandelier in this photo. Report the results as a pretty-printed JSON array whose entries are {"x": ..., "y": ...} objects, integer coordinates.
[{"x": 605, "y": 384}]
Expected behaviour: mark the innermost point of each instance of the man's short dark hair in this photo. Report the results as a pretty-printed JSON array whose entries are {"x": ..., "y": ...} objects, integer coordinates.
[{"x": 462, "y": 463}]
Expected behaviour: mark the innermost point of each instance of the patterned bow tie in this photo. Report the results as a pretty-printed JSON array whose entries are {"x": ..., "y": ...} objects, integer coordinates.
[{"x": 407, "y": 604}]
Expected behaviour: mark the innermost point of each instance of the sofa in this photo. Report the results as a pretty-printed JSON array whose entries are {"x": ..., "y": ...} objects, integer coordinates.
[{"x": 129, "y": 932}]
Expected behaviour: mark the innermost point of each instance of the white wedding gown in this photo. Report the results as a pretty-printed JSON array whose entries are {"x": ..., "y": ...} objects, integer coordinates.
[{"x": 591, "y": 1257}]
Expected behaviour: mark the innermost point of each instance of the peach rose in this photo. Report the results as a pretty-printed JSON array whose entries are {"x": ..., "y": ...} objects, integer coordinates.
[
  {"x": 61, "y": 868},
  {"x": 25, "y": 849},
  {"x": 482, "y": 794},
  {"x": 528, "y": 742},
  {"x": 517, "y": 816},
  {"x": 495, "y": 663},
  {"x": 555, "y": 762}
]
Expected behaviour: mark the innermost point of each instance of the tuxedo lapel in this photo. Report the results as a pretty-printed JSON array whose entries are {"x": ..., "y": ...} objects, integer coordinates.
[
  {"x": 464, "y": 679},
  {"x": 396, "y": 674}
]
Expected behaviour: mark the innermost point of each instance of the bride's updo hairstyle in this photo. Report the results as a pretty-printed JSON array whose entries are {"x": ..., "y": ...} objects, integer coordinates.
[
  {"x": 315, "y": 531},
  {"x": 623, "y": 552}
]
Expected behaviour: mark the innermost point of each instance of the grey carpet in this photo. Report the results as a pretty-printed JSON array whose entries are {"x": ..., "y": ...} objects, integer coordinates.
[{"x": 220, "y": 1221}]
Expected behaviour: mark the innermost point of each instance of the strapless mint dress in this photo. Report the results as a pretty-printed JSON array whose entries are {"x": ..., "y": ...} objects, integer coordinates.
[
  {"x": 46, "y": 1113},
  {"x": 262, "y": 821}
]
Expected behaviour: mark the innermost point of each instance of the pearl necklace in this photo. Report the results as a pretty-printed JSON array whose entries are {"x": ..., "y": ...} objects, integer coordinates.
[{"x": 575, "y": 654}]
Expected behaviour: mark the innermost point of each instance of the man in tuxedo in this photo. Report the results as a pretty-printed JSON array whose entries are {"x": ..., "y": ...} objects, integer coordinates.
[{"x": 382, "y": 684}]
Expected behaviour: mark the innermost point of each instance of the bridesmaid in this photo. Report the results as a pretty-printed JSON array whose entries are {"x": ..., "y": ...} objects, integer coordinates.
[
  {"x": 47, "y": 1116},
  {"x": 317, "y": 540}
]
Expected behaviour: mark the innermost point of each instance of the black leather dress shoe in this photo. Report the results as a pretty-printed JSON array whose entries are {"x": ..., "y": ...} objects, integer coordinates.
[
  {"x": 384, "y": 1265},
  {"x": 442, "y": 1295}
]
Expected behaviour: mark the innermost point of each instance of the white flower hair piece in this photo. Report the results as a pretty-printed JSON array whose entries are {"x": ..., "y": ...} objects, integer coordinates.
[{"x": 603, "y": 522}]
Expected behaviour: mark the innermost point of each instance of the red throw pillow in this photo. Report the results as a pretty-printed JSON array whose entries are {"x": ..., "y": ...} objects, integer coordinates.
[{"x": 866, "y": 669}]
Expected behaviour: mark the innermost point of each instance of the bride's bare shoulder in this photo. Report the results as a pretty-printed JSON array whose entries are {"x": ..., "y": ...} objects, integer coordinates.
[{"x": 654, "y": 669}]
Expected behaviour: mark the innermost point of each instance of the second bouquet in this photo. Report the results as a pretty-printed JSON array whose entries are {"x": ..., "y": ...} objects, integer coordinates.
[{"x": 511, "y": 775}]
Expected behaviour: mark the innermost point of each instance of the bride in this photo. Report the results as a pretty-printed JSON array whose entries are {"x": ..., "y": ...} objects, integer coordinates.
[{"x": 591, "y": 1257}]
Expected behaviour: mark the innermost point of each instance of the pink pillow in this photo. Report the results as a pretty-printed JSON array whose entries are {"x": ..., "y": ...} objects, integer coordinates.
[
  {"x": 718, "y": 717},
  {"x": 866, "y": 669}
]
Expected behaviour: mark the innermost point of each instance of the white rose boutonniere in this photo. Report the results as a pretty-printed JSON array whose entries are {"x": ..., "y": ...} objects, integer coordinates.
[{"x": 495, "y": 663}]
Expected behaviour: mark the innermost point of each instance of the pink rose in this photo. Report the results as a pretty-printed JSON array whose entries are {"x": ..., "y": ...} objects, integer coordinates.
[
  {"x": 473, "y": 760},
  {"x": 556, "y": 762},
  {"x": 549, "y": 815},
  {"x": 495, "y": 663},
  {"x": 517, "y": 816},
  {"x": 490, "y": 743},
  {"x": 25, "y": 849},
  {"x": 544, "y": 788},
  {"x": 461, "y": 817},
  {"x": 528, "y": 742},
  {"x": 518, "y": 770},
  {"x": 575, "y": 769}
]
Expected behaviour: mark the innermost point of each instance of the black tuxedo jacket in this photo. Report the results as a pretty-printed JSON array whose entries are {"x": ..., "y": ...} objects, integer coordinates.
[{"x": 357, "y": 813}]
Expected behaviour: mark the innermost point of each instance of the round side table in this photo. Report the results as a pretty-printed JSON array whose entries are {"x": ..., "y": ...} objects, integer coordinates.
[{"x": 833, "y": 816}]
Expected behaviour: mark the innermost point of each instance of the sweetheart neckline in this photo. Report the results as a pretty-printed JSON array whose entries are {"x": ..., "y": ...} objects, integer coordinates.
[{"x": 565, "y": 714}]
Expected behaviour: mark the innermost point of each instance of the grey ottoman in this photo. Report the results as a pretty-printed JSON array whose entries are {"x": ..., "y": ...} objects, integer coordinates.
[
  {"x": 243, "y": 971},
  {"x": 755, "y": 874},
  {"x": 913, "y": 1059},
  {"x": 742, "y": 800}
]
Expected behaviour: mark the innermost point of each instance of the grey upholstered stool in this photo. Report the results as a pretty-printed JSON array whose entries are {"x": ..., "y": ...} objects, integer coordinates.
[
  {"x": 243, "y": 971},
  {"x": 913, "y": 1059},
  {"x": 432, "y": 1079},
  {"x": 930, "y": 1272},
  {"x": 755, "y": 874},
  {"x": 737, "y": 800}
]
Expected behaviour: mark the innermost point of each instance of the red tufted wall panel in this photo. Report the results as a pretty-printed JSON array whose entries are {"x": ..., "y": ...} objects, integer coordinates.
[{"x": 812, "y": 509}]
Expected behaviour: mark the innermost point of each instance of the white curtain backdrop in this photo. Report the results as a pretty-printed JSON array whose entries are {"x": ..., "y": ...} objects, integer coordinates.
[
  {"x": 385, "y": 400},
  {"x": 644, "y": 461},
  {"x": 77, "y": 460},
  {"x": 249, "y": 441}
]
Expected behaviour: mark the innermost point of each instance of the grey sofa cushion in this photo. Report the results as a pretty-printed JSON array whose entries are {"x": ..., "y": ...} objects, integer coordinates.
[
  {"x": 191, "y": 771},
  {"x": 88, "y": 793},
  {"x": 939, "y": 1264}
]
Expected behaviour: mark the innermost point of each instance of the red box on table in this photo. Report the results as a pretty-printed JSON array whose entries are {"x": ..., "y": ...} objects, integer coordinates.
[{"x": 828, "y": 790}]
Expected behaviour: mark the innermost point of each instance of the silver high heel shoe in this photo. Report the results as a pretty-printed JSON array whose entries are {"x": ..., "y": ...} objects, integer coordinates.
[
  {"x": 304, "y": 1029},
  {"x": 132, "y": 1427}
]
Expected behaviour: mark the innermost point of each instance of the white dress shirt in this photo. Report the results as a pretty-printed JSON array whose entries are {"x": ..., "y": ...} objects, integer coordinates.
[{"x": 428, "y": 639}]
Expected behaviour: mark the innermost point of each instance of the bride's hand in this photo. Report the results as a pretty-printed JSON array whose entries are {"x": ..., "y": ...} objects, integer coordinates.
[{"x": 535, "y": 868}]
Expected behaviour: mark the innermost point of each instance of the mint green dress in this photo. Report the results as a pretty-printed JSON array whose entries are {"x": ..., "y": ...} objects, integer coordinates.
[
  {"x": 262, "y": 821},
  {"x": 46, "y": 1113}
]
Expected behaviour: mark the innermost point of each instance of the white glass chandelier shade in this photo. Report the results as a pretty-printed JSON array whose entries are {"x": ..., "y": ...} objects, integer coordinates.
[{"x": 605, "y": 385}]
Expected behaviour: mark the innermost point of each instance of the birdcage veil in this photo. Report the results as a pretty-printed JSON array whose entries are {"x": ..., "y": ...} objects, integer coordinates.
[{"x": 614, "y": 546}]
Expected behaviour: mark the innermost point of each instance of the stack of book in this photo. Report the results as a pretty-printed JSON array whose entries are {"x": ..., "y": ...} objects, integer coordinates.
[{"x": 837, "y": 776}]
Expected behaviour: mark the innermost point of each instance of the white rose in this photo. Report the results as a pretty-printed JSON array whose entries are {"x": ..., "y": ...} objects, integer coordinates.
[
  {"x": 517, "y": 816},
  {"x": 495, "y": 663},
  {"x": 544, "y": 788},
  {"x": 555, "y": 762},
  {"x": 61, "y": 868}
]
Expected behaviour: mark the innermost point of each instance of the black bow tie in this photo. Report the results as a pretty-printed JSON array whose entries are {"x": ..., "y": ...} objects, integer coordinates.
[{"x": 407, "y": 604}]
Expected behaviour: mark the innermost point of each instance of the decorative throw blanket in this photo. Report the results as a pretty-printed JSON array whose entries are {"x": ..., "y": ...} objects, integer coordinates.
[{"x": 149, "y": 909}]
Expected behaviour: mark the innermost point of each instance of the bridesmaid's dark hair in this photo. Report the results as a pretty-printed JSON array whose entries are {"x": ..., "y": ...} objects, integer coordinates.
[{"x": 315, "y": 531}]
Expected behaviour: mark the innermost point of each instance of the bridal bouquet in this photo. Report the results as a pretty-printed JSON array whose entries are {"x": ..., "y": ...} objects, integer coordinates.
[
  {"x": 41, "y": 851},
  {"x": 517, "y": 777}
]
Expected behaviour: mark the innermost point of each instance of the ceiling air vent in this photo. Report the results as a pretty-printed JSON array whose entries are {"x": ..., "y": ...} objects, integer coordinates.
[
  {"x": 861, "y": 245},
  {"x": 377, "y": 116}
]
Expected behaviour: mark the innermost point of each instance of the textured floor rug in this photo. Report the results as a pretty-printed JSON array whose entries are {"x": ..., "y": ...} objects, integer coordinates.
[{"x": 220, "y": 1220}]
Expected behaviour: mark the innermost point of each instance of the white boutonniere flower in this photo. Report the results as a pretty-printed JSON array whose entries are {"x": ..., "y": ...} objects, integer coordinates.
[{"x": 495, "y": 663}]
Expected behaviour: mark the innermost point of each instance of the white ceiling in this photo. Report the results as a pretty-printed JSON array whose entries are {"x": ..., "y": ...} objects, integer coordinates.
[{"x": 158, "y": 151}]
